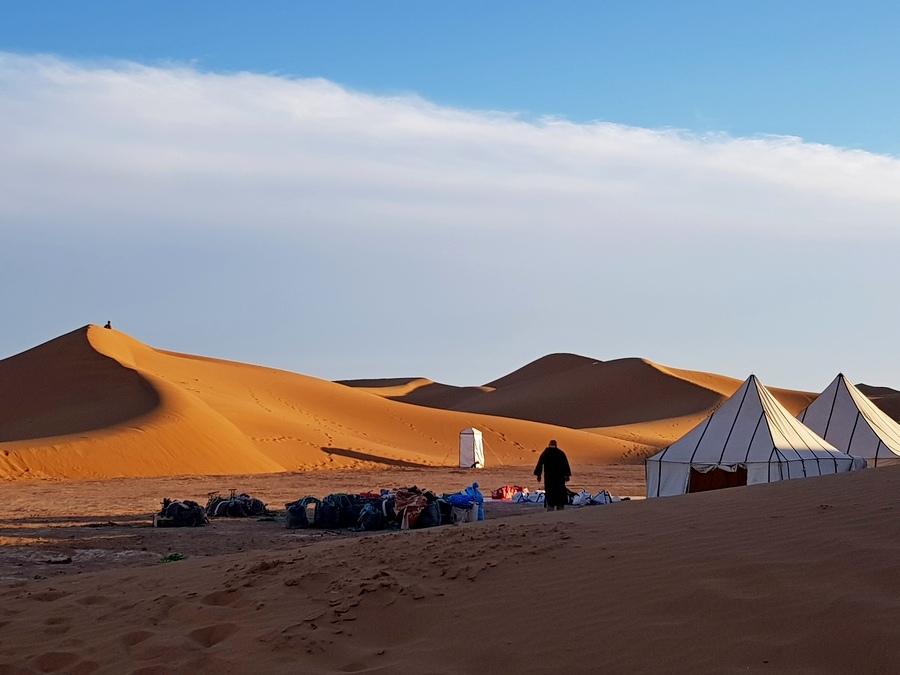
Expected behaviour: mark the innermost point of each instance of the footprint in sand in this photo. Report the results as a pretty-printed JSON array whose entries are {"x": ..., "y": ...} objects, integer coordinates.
[
  {"x": 49, "y": 596},
  {"x": 53, "y": 662},
  {"x": 92, "y": 600},
  {"x": 222, "y": 598},
  {"x": 135, "y": 638},
  {"x": 210, "y": 636}
]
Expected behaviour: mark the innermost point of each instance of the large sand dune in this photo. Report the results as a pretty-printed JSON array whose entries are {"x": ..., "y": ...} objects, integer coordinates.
[{"x": 96, "y": 403}]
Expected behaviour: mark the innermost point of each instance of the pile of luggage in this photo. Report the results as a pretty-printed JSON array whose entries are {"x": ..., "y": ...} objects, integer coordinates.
[
  {"x": 580, "y": 498},
  {"x": 402, "y": 509}
]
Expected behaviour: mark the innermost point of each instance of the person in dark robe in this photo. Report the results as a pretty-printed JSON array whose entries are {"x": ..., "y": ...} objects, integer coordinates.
[
  {"x": 554, "y": 465},
  {"x": 108, "y": 325}
]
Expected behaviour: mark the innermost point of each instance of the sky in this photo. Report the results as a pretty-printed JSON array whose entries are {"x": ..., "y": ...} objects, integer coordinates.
[{"x": 451, "y": 190}]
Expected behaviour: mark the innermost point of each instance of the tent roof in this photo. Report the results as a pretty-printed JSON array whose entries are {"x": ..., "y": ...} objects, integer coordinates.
[
  {"x": 751, "y": 426},
  {"x": 850, "y": 421}
]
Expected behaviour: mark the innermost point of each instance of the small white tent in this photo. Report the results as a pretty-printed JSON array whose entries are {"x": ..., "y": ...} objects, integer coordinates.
[
  {"x": 471, "y": 449},
  {"x": 750, "y": 439},
  {"x": 851, "y": 422}
]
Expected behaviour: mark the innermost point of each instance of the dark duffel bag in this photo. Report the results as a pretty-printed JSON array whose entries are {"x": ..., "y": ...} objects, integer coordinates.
[
  {"x": 180, "y": 514},
  {"x": 371, "y": 517},
  {"x": 429, "y": 517},
  {"x": 298, "y": 513},
  {"x": 328, "y": 512}
]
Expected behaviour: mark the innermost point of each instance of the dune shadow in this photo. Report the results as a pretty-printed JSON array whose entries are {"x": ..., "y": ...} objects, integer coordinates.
[
  {"x": 375, "y": 459},
  {"x": 66, "y": 386}
]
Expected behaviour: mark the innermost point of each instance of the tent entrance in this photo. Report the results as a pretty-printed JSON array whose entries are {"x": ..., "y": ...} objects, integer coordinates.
[{"x": 716, "y": 479}]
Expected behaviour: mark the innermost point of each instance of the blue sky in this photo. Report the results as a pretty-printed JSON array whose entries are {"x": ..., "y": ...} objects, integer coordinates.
[
  {"x": 823, "y": 70},
  {"x": 349, "y": 189}
]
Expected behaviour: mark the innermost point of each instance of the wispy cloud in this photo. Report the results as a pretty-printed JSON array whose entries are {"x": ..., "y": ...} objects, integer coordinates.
[{"x": 127, "y": 145}]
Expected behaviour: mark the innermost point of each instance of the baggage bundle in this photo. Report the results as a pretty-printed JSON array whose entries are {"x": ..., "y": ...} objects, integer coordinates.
[
  {"x": 175, "y": 513},
  {"x": 234, "y": 506}
]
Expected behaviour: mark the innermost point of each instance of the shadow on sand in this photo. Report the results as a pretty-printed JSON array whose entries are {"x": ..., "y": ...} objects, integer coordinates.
[{"x": 375, "y": 459}]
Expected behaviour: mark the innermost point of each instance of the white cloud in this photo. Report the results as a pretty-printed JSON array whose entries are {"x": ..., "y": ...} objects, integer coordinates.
[{"x": 127, "y": 145}]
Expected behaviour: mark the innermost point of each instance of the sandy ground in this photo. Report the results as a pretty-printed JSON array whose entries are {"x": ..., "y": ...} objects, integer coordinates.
[
  {"x": 791, "y": 577},
  {"x": 56, "y": 528}
]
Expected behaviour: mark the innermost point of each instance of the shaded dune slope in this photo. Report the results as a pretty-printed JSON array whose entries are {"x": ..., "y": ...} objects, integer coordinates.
[
  {"x": 885, "y": 398},
  {"x": 96, "y": 403},
  {"x": 52, "y": 390}
]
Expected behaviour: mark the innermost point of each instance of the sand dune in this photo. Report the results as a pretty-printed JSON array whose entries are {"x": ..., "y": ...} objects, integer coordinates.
[
  {"x": 885, "y": 398},
  {"x": 789, "y": 577},
  {"x": 96, "y": 403},
  {"x": 582, "y": 393}
]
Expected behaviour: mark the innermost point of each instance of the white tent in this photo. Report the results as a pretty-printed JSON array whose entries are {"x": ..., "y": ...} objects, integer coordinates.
[
  {"x": 847, "y": 418},
  {"x": 750, "y": 439},
  {"x": 471, "y": 449}
]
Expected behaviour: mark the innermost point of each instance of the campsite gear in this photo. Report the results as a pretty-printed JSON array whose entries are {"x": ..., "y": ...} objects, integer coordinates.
[
  {"x": 409, "y": 504},
  {"x": 751, "y": 438},
  {"x": 339, "y": 510},
  {"x": 180, "y": 514},
  {"x": 461, "y": 499},
  {"x": 234, "y": 506},
  {"x": 536, "y": 497},
  {"x": 851, "y": 422},
  {"x": 581, "y": 498},
  {"x": 507, "y": 491},
  {"x": 464, "y": 514},
  {"x": 387, "y": 508},
  {"x": 471, "y": 449},
  {"x": 371, "y": 517},
  {"x": 445, "y": 510},
  {"x": 298, "y": 513},
  {"x": 328, "y": 511},
  {"x": 601, "y": 497},
  {"x": 429, "y": 517},
  {"x": 473, "y": 491}
]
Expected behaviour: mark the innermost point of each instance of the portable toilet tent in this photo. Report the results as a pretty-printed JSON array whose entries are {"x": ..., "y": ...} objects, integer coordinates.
[
  {"x": 750, "y": 439},
  {"x": 851, "y": 422},
  {"x": 471, "y": 449}
]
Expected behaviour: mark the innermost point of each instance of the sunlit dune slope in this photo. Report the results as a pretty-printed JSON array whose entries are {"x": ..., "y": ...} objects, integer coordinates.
[{"x": 97, "y": 403}]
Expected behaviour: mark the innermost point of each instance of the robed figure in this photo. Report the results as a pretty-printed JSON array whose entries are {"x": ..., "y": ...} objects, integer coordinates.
[{"x": 554, "y": 465}]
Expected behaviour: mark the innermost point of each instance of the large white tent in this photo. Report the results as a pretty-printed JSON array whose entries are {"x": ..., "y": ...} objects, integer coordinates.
[
  {"x": 851, "y": 422},
  {"x": 471, "y": 449},
  {"x": 750, "y": 439}
]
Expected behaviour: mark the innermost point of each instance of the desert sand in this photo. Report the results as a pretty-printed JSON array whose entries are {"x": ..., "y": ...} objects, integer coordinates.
[
  {"x": 97, "y": 427},
  {"x": 797, "y": 576}
]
